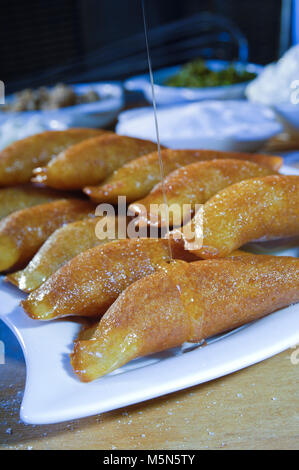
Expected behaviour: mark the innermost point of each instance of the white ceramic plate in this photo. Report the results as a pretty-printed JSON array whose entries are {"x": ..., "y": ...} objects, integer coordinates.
[
  {"x": 170, "y": 95},
  {"x": 231, "y": 125},
  {"x": 53, "y": 394}
]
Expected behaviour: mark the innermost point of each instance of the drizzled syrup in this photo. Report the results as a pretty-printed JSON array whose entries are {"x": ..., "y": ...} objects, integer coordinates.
[{"x": 156, "y": 127}]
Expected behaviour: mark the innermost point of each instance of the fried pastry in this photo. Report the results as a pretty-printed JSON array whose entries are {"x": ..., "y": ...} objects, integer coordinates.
[
  {"x": 185, "y": 302},
  {"x": 137, "y": 178},
  {"x": 193, "y": 184},
  {"x": 23, "y": 232},
  {"x": 63, "y": 245},
  {"x": 255, "y": 209},
  {"x": 89, "y": 283},
  {"x": 18, "y": 159},
  {"x": 92, "y": 161},
  {"x": 20, "y": 197}
]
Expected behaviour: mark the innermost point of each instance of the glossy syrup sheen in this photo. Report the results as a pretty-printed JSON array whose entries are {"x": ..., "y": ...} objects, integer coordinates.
[
  {"x": 89, "y": 283},
  {"x": 137, "y": 178},
  {"x": 156, "y": 127},
  {"x": 18, "y": 159},
  {"x": 258, "y": 208}
]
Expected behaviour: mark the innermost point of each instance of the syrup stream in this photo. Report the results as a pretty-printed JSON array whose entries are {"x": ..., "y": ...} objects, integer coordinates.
[{"x": 156, "y": 125}]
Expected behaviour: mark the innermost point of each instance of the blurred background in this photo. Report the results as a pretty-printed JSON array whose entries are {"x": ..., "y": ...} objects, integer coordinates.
[
  {"x": 43, "y": 42},
  {"x": 97, "y": 48}
]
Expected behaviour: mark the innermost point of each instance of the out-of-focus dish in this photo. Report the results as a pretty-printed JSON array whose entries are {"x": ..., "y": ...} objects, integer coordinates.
[
  {"x": 231, "y": 125},
  {"x": 166, "y": 94}
]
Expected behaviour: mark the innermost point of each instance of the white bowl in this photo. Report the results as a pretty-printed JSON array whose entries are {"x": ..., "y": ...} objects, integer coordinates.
[
  {"x": 170, "y": 95},
  {"x": 232, "y": 125},
  {"x": 96, "y": 114}
]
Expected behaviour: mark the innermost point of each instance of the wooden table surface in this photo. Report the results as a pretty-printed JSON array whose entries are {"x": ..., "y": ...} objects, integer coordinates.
[{"x": 255, "y": 408}]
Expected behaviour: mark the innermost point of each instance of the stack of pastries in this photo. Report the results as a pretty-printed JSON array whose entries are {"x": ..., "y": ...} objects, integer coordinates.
[{"x": 143, "y": 295}]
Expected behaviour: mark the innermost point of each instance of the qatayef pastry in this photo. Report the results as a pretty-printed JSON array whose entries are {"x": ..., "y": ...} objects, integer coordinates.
[
  {"x": 185, "y": 302},
  {"x": 16, "y": 198},
  {"x": 255, "y": 209},
  {"x": 92, "y": 161},
  {"x": 194, "y": 184},
  {"x": 23, "y": 232},
  {"x": 63, "y": 245},
  {"x": 18, "y": 159},
  {"x": 138, "y": 177},
  {"x": 95, "y": 278}
]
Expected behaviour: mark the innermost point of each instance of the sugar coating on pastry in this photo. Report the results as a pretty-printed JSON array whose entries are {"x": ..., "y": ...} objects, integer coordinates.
[
  {"x": 92, "y": 161},
  {"x": 23, "y": 232},
  {"x": 15, "y": 198},
  {"x": 89, "y": 283},
  {"x": 256, "y": 209},
  {"x": 62, "y": 246}
]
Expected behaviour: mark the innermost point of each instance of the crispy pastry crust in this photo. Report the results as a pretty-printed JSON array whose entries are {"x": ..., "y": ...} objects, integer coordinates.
[
  {"x": 63, "y": 245},
  {"x": 259, "y": 208},
  {"x": 17, "y": 198},
  {"x": 194, "y": 184},
  {"x": 89, "y": 283},
  {"x": 185, "y": 302}
]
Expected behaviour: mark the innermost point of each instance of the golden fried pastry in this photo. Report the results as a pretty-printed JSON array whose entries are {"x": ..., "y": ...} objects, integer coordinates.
[
  {"x": 19, "y": 158},
  {"x": 19, "y": 197},
  {"x": 185, "y": 302},
  {"x": 137, "y": 178},
  {"x": 23, "y": 232},
  {"x": 94, "y": 278},
  {"x": 193, "y": 184},
  {"x": 92, "y": 161},
  {"x": 63, "y": 245},
  {"x": 259, "y": 208}
]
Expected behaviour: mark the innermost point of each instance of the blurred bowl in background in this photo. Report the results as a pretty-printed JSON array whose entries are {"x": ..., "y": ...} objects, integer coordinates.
[
  {"x": 166, "y": 95},
  {"x": 96, "y": 114},
  {"x": 235, "y": 125}
]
